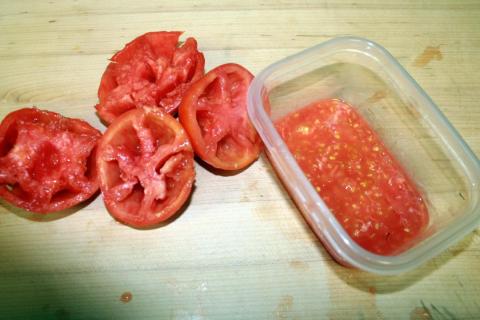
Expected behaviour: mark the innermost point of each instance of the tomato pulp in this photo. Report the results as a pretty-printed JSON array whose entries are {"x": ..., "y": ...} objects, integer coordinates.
[{"x": 360, "y": 181}]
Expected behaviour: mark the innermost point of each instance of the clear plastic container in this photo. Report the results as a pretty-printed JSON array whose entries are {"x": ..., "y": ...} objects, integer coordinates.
[{"x": 367, "y": 77}]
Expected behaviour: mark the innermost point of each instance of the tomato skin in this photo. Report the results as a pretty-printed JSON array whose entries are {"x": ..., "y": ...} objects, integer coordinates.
[
  {"x": 214, "y": 114},
  {"x": 46, "y": 160},
  {"x": 150, "y": 70},
  {"x": 146, "y": 167}
]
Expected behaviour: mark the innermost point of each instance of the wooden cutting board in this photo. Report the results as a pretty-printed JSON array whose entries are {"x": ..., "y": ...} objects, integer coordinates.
[{"x": 240, "y": 250}]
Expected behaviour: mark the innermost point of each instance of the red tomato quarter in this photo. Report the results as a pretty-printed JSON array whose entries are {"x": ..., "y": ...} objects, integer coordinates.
[
  {"x": 214, "y": 114},
  {"x": 146, "y": 167},
  {"x": 151, "y": 70},
  {"x": 46, "y": 160}
]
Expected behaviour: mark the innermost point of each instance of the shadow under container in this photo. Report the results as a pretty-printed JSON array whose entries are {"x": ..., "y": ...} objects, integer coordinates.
[{"x": 411, "y": 126}]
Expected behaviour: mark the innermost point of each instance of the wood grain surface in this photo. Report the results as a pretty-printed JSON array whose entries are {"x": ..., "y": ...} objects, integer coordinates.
[{"x": 240, "y": 250}]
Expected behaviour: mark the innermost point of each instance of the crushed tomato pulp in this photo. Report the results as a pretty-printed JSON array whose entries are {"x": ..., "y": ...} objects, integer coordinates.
[{"x": 360, "y": 181}]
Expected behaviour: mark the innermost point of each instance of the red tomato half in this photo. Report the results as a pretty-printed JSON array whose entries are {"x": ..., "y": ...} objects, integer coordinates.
[
  {"x": 151, "y": 70},
  {"x": 146, "y": 167},
  {"x": 214, "y": 114},
  {"x": 46, "y": 160}
]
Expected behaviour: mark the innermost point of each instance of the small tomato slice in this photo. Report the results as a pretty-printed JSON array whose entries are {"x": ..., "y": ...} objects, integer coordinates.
[
  {"x": 150, "y": 70},
  {"x": 146, "y": 167},
  {"x": 46, "y": 160},
  {"x": 214, "y": 114}
]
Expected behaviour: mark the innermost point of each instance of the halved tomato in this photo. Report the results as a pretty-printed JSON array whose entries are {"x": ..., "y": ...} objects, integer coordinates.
[
  {"x": 151, "y": 70},
  {"x": 146, "y": 167},
  {"x": 46, "y": 160},
  {"x": 214, "y": 114}
]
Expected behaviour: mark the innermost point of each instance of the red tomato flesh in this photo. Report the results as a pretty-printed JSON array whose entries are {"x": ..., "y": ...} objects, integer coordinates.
[
  {"x": 151, "y": 70},
  {"x": 360, "y": 181},
  {"x": 146, "y": 167},
  {"x": 46, "y": 160},
  {"x": 214, "y": 114}
]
